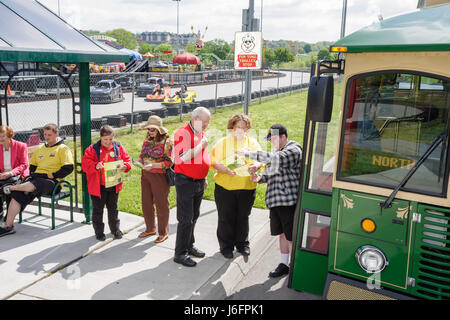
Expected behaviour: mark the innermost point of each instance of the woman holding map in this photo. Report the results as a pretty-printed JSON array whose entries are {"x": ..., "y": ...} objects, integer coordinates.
[
  {"x": 103, "y": 162},
  {"x": 234, "y": 191},
  {"x": 156, "y": 159}
]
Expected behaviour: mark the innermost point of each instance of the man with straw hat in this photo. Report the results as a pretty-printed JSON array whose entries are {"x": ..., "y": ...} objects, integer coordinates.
[{"x": 156, "y": 159}]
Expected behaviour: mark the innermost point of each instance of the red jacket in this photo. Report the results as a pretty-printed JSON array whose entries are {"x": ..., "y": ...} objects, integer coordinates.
[
  {"x": 19, "y": 158},
  {"x": 90, "y": 160}
]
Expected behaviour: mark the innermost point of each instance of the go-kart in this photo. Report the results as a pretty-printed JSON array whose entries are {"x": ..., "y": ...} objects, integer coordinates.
[
  {"x": 188, "y": 97},
  {"x": 158, "y": 95},
  {"x": 106, "y": 91}
]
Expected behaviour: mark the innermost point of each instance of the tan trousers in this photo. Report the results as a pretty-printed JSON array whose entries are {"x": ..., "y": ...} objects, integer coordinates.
[{"x": 155, "y": 193}]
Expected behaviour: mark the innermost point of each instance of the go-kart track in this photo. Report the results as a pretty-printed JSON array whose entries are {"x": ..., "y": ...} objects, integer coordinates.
[{"x": 29, "y": 115}]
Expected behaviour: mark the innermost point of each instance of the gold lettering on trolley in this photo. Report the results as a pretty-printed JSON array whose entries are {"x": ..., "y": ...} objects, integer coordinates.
[
  {"x": 391, "y": 162},
  {"x": 402, "y": 213},
  {"x": 348, "y": 203}
]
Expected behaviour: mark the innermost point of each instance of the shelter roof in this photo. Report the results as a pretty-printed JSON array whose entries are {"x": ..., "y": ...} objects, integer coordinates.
[
  {"x": 29, "y": 31},
  {"x": 422, "y": 30}
]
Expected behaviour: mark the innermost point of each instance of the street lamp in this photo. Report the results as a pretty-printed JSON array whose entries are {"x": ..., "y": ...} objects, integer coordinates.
[{"x": 178, "y": 15}]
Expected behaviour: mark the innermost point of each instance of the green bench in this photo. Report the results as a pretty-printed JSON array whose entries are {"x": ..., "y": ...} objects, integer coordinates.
[{"x": 62, "y": 194}]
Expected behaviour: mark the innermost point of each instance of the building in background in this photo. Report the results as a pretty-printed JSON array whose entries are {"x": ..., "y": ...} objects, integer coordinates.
[{"x": 158, "y": 37}]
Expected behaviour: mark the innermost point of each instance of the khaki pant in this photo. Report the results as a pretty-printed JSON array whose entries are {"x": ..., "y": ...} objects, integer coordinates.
[{"x": 155, "y": 193}]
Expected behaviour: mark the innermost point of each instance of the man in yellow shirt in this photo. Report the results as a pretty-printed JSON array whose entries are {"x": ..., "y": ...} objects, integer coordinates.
[
  {"x": 50, "y": 163},
  {"x": 234, "y": 191}
]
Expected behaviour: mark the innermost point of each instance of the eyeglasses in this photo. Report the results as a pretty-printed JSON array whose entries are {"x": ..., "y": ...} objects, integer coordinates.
[{"x": 151, "y": 129}]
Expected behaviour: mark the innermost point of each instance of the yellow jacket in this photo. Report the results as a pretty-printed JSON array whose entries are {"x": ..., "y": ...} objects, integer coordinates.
[{"x": 224, "y": 152}]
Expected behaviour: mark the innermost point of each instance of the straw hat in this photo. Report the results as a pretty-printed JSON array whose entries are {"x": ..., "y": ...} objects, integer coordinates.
[{"x": 155, "y": 122}]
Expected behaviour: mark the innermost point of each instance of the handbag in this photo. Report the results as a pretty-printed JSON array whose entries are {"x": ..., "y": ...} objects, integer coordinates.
[{"x": 170, "y": 176}]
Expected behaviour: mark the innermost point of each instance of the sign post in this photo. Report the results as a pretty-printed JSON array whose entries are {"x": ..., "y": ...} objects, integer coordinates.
[
  {"x": 249, "y": 25},
  {"x": 247, "y": 56}
]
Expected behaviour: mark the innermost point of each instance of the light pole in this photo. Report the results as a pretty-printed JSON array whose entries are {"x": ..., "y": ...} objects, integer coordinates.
[
  {"x": 178, "y": 18},
  {"x": 344, "y": 18},
  {"x": 178, "y": 15}
]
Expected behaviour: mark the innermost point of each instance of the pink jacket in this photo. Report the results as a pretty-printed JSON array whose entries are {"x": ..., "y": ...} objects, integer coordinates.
[{"x": 19, "y": 159}]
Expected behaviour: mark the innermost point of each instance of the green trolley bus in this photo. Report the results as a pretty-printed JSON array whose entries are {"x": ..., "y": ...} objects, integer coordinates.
[{"x": 373, "y": 215}]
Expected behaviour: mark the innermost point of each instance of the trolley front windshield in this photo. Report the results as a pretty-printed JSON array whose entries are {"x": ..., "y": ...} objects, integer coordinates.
[{"x": 390, "y": 119}]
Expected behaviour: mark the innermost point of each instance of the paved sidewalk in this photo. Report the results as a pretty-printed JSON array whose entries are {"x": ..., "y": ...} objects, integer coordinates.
[{"x": 69, "y": 263}]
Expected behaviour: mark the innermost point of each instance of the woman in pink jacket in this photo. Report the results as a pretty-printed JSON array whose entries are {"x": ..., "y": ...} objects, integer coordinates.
[{"x": 13, "y": 161}]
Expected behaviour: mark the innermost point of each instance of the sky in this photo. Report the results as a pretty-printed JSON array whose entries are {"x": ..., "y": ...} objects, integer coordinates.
[{"x": 302, "y": 20}]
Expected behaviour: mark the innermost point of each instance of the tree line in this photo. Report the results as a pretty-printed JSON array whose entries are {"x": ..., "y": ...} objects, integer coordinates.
[{"x": 275, "y": 52}]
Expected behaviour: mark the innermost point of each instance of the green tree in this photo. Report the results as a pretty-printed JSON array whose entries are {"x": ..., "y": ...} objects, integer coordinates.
[
  {"x": 124, "y": 38},
  {"x": 307, "y": 48},
  {"x": 219, "y": 47},
  {"x": 323, "y": 54},
  {"x": 190, "y": 47},
  {"x": 165, "y": 47},
  {"x": 91, "y": 32},
  {"x": 268, "y": 56},
  {"x": 145, "y": 47},
  {"x": 283, "y": 55}
]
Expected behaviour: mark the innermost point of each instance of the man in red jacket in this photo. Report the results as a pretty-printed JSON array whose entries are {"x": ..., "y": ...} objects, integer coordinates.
[
  {"x": 191, "y": 168},
  {"x": 92, "y": 163}
]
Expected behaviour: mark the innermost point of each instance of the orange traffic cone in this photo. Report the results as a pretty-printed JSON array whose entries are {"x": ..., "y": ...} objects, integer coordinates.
[
  {"x": 9, "y": 90},
  {"x": 203, "y": 77},
  {"x": 171, "y": 79}
]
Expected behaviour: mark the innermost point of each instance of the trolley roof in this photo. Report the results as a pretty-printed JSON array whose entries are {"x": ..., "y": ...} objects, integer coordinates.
[
  {"x": 29, "y": 31},
  {"x": 421, "y": 30}
]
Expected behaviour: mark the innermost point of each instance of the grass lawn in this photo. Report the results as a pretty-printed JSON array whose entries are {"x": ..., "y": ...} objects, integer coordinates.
[{"x": 286, "y": 109}]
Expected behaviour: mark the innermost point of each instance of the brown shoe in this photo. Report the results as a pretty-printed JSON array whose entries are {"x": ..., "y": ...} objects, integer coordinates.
[
  {"x": 161, "y": 238},
  {"x": 146, "y": 234}
]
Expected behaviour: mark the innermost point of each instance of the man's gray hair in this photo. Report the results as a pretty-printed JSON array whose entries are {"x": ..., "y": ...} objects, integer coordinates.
[{"x": 199, "y": 111}]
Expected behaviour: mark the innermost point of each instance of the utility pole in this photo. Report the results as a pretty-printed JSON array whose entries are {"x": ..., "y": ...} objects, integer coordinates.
[
  {"x": 178, "y": 16},
  {"x": 343, "y": 21},
  {"x": 344, "y": 17},
  {"x": 249, "y": 24}
]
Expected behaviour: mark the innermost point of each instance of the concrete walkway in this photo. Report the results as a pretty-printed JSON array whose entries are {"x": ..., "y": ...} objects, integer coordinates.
[{"x": 70, "y": 264}]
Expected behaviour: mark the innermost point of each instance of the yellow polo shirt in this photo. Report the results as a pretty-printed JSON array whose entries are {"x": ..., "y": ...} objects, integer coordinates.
[
  {"x": 223, "y": 150},
  {"x": 51, "y": 159}
]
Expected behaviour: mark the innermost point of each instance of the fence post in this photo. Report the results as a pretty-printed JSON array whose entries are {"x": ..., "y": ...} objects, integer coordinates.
[
  {"x": 58, "y": 96},
  {"x": 290, "y": 87},
  {"x": 242, "y": 87},
  {"x": 132, "y": 102},
  {"x": 278, "y": 81},
  {"x": 217, "y": 83},
  {"x": 260, "y": 86}
]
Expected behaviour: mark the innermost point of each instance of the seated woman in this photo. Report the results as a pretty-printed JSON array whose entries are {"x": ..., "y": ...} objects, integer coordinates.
[{"x": 13, "y": 161}]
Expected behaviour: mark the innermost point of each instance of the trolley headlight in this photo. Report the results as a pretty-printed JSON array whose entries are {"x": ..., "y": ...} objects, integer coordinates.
[{"x": 371, "y": 259}]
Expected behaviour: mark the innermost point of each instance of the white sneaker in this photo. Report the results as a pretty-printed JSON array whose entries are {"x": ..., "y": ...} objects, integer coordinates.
[{"x": 6, "y": 190}]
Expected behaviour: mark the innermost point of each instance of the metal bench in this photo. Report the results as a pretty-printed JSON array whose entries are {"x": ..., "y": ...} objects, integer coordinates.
[{"x": 62, "y": 194}]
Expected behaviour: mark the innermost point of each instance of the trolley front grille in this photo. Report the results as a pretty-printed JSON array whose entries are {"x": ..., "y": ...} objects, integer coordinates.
[{"x": 433, "y": 279}]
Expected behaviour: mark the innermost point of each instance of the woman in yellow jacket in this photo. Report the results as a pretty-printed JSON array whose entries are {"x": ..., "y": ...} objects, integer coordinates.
[{"x": 234, "y": 191}]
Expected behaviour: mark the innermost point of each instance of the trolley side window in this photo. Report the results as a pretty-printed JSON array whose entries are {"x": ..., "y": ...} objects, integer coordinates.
[{"x": 390, "y": 120}]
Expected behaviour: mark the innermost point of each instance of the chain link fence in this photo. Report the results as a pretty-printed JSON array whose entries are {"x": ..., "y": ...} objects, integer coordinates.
[
  {"x": 28, "y": 102},
  {"x": 122, "y": 99}
]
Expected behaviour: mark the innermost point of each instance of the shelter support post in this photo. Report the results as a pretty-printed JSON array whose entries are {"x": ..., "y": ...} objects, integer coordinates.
[{"x": 85, "y": 120}]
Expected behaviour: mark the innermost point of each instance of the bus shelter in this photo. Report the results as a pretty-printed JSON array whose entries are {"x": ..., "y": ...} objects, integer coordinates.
[{"x": 31, "y": 33}]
